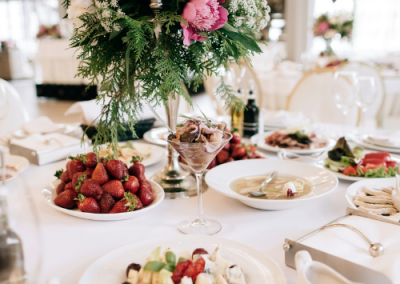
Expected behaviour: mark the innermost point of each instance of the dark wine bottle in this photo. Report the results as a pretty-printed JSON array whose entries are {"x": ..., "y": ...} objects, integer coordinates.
[{"x": 251, "y": 113}]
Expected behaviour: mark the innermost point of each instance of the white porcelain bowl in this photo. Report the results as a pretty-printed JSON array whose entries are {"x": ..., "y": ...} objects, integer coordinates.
[
  {"x": 220, "y": 178},
  {"x": 49, "y": 194}
]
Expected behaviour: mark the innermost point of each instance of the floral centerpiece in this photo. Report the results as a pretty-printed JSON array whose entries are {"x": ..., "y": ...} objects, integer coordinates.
[
  {"x": 136, "y": 55},
  {"x": 328, "y": 27}
]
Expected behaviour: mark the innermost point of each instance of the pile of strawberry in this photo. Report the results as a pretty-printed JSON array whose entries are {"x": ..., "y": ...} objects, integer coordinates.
[
  {"x": 103, "y": 185},
  {"x": 234, "y": 150},
  {"x": 189, "y": 269}
]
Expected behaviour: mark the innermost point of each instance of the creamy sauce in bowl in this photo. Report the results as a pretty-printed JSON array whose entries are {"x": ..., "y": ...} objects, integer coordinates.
[{"x": 274, "y": 189}]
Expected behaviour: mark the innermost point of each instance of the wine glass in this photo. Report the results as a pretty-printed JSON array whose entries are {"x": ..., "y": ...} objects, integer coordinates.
[
  {"x": 4, "y": 106},
  {"x": 344, "y": 90},
  {"x": 198, "y": 156},
  {"x": 366, "y": 92}
]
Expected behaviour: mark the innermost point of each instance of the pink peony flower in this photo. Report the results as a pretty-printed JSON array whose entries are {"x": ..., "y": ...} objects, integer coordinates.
[
  {"x": 321, "y": 28},
  {"x": 202, "y": 15}
]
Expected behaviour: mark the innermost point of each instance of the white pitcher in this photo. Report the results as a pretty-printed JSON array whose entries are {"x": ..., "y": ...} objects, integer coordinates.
[{"x": 314, "y": 272}]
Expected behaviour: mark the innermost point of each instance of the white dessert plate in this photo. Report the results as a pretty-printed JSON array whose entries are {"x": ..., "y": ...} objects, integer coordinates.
[
  {"x": 362, "y": 142},
  {"x": 260, "y": 141},
  {"x": 156, "y": 136},
  {"x": 111, "y": 268},
  {"x": 49, "y": 194},
  {"x": 16, "y": 164},
  {"x": 349, "y": 178},
  {"x": 219, "y": 178},
  {"x": 157, "y": 153},
  {"x": 372, "y": 182}
]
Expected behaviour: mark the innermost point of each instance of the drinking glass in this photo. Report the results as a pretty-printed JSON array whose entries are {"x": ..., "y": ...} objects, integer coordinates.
[
  {"x": 4, "y": 107},
  {"x": 366, "y": 92},
  {"x": 344, "y": 90},
  {"x": 198, "y": 156}
]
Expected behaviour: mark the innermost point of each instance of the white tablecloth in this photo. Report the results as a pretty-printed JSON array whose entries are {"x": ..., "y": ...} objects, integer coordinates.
[{"x": 72, "y": 244}]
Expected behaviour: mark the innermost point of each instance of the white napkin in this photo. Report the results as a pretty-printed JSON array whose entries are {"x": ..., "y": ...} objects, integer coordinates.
[
  {"x": 289, "y": 68},
  {"x": 283, "y": 118},
  {"x": 90, "y": 111},
  {"x": 42, "y": 124},
  {"x": 347, "y": 244},
  {"x": 38, "y": 142}
]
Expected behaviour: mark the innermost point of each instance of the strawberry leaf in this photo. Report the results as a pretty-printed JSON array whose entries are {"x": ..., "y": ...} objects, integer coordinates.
[
  {"x": 59, "y": 173},
  {"x": 136, "y": 158},
  {"x": 81, "y": 180}
]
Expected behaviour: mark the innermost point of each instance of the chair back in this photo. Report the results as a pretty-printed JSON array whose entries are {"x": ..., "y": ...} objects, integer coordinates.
[
  {"x": 17, "y": 113},
  {"x": 373, "y": 116},
  {"x": 313, "y": 96}
]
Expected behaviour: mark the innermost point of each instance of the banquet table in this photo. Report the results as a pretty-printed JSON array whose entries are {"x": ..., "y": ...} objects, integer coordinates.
[{"x": 71, "y": 244}]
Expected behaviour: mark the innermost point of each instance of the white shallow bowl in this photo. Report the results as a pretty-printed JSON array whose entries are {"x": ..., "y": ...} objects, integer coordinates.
[
  {"x": 155, "y": 135},
  {"x": 220, "y": 178},
  {"x": 18, "y": 162},
  {"x": 157, "y": 152},
  {"x": 258, "y": 268},
  {"x": 260, "y": 141},
  {"x": 372, "y": 182},
  {"x": 49, "y": 194}
]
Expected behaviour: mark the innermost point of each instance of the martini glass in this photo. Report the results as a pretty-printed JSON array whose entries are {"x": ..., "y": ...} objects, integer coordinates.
[{"x": 198, "y": 156}]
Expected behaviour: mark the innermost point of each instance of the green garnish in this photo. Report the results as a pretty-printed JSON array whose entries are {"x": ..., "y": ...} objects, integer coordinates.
[{"x": 154, "y": 266}]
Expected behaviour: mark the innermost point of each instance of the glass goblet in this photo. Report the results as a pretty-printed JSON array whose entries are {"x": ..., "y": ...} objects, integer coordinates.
[{"x": 198, "y": 156}]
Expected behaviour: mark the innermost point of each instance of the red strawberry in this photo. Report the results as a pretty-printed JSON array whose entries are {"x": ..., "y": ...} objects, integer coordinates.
[
  {"x": 65, "y": 177},
  {"x": 190, "y": 272},
  {"x": 75, "y": 166},
  {"x": 126, "y": 172},
  {"x": 233, "y": 147},
  {"x": 139, "y": 204},
  {"x": 116, "y": 168},
  {"x": 222, "y": 156},
  {"x": 212, "y": 164},
  {"x": 230, "y": 159},
  {"x": 239, "y": 152},
  {"x": 177, "y": 275},
  {"x": 65, "y": 199},
  {"x": 90, "y": 160},
  {"x": 100, "y": 174},
  {"x": 87, "y": 204},
  {"x": 145, "y": 193},
  {"x": 199, "y": 266},
  {"x": 131, "y": 184},
  {"x": 137, "y": 169},
  {"x": 227, "y": 146},
  {"x": 89, "y": 172},
  {"x": 69, "y": 186},
  {"x": 78, "y": 179},
  {"x": 60, "y": 188},
  {"x": 252, "y": 148},
  {"x": 126, "y": 204},
  {"x": 91, "y": 188},
  {"x": 106, "y": 203},
  {"x": 236, "y": 138},
  {"x": 114, "y": 188}
]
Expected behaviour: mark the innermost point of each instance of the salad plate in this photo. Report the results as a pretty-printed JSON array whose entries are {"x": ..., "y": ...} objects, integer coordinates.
[
  {"x": 111, "y": 268},
  {"x": 151, "y": 154},
  {"x": 261, "y": 143},
  {"x": 49, "y": 194},
  {"x": 14, "y": 166},
  {"x": 222, "y": 178},
  {"x": 156, "y": 136},
  {"x": 362, "y": 142}
]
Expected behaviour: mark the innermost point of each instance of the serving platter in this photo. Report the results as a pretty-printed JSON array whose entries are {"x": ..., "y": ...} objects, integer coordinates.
[
  {"x": 155, "y": 136},
  {"x": 49, "y": 194},
  {"x": 257, "y": 267},
  {"x": 260, "y": 141},
  {"x": 157, "y": 152},
  {"x": 220, "y": 178},
  {"x": 17, "y": 162}
]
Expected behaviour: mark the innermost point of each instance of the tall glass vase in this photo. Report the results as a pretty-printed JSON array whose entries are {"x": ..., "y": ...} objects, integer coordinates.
[
  {"x": 176, "y": 182},
  {"x": 329, "y": 51}
]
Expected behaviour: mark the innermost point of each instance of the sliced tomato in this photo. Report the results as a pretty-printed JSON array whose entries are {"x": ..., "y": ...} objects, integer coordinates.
[
  {"x": 374, "y": 161},
  {"x": 379, "y": 155},
  {"x": 371, "y": 167},
  {"x": 362, "y": 168},
  {"x": 349, "y": 170},
  {"x": 392, "y": 164}
]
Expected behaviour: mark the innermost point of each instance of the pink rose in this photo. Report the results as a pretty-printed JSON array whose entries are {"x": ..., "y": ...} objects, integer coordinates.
[
  {"x": 202, "y": 15},
  {"x": 322, "y": 27}
]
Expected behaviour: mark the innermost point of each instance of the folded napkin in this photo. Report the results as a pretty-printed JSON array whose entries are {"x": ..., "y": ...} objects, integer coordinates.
[
  {"x": 347, "y": 244},
  {"x": 42, "y": 124},
  {"x": 38, "y": 142},
  {"x": 90, "y": 111},
  {"x": 283, "y": 118}
]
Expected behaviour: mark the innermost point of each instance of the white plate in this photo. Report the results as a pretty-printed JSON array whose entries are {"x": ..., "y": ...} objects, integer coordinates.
[
  {"x": 18, "y": 162},
  {"x": 262, "y": 145},
  {"x": 361, "y": 142},
  {"x": 155, "y": 135},
  {"x": 49, "y": 193},
  {"x": 372, "y": 182},
  {"x": 381, "y": 142},
  {"x": 258, "y": 268},
  {"x": 220, "y": 177},
  {"x": 344, "y": 177},
  {"x": 157, "y": 153}
]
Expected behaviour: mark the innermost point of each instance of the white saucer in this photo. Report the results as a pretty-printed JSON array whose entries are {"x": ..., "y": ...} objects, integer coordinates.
[{"x": 18, "y": 162}]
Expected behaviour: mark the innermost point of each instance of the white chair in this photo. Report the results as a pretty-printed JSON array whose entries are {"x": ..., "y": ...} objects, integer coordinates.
[
  {"x": 313, "y": 96},
  {"x": 373, "y": 116},
  {"x": 17, "y": 113}
]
